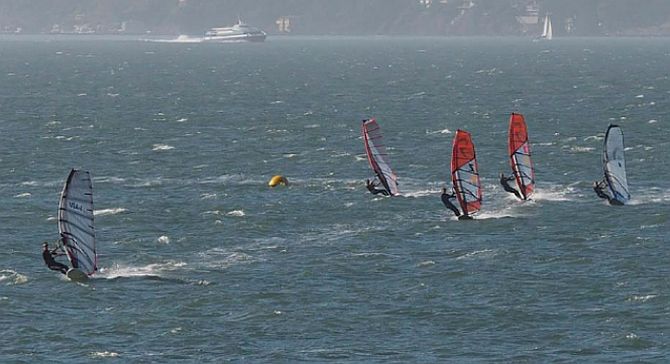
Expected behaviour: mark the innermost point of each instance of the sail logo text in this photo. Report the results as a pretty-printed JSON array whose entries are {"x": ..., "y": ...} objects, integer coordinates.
[{"x": 76, "y": 206}]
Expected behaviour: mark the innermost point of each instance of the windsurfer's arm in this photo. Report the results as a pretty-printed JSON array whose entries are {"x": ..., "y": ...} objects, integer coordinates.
[{"x": 56, "y": 253}]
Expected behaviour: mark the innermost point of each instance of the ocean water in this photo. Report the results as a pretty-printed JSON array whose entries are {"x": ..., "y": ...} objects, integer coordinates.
[{"x": 201, "y": 262}]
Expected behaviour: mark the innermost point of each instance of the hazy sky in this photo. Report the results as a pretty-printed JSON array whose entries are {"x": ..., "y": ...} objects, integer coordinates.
[{"x": 453, "y": 17}]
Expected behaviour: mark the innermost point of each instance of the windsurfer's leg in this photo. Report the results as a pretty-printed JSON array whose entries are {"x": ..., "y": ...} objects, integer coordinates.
[{"x": 59, "y": 267}]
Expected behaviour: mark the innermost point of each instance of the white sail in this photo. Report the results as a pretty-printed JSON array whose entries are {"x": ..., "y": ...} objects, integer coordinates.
[
  {"x": 614, "y": 164},
  {"x": 377, "y": 156},
  {"x": 75, "y": 221},
  {"x": 547, "y": 31}
]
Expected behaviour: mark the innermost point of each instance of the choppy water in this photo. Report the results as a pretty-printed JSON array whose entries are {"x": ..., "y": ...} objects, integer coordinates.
[{"x": 201, "y": 262}]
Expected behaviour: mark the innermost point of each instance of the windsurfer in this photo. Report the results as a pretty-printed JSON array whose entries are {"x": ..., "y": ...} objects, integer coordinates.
[
  {"x": 48, "y": 256},
  {"x": 504, "y": 181},
  {"x": 446, "y": 200},
  {"x": 372, "y": 187},
  {"x": 599, "y": 189}
]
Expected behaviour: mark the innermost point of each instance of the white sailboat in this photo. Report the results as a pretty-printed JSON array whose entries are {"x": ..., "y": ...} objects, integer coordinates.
[{"x": 547, "y": 32}]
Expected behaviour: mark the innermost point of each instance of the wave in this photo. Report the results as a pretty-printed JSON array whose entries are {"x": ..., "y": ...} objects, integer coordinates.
[
  {"x": 112, "y": 211},
  {"x": 103, "y": 354},
  {"x": 496, "y": 214},
  {"x": 554, "y": 193},
  {"x": 219, "y": 258},
  {"x": 10, "y": 277},
  {"x": 234, "y": 179},
  {"x": 375, "y": 254},
  {"x": 650, "y": 196},
  {"x": 42, "y": 183},
  {"x": 643, "y": 299},
  {"x": 160, "y": 147},
  {"x": 180, "y": 39},
  {"x": 420, "y": 193},
  {"x": 155, "y": 270},
  {"x": 579, "y": 149},
  {"x": 208, "y": 196},
  {"x": 486, "y": 253},
  {"x": 443, "y": 131}
]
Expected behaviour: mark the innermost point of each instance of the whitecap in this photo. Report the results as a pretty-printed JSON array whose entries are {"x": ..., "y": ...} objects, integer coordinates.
[
  {"x": 104, "y": 354},
  {"x": 553, "y": 193},
  {"x": 426, "y": 263},
  {"x": 579, "y": 149},
  {"x": 10, "y": 277},
  {"x": 219, "y": 258},
  {"x": 652, "y": 121},
  {"x": 237, "y": 213},
  {"x": 163, "y": 239},
  {"x": 150, "y": 270},
  {"x": 485, "y": 253},
  {"x": 112, "y": 211},
  {"x": 642, "y": 298},
  {"x": 419, "y": 193},
  {"x": 486, "y": 215},
  {"x": 443, "y": 131},
  {"x": 182, "y": 120},
  {"x": 158, "y": 147},
  {"x": 25, "y": 194}
]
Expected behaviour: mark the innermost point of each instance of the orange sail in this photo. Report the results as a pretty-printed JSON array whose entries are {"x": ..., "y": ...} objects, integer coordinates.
[
  {"x": 519, "y": 152},
  {"x": 465, "y": 173}
]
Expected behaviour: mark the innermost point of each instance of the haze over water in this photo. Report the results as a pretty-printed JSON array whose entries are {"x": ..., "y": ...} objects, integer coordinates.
[{"x": 201, "y": 261}]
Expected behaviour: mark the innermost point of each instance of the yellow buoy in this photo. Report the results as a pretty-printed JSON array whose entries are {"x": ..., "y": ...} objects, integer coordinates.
[{"x": 278, "y": 180}]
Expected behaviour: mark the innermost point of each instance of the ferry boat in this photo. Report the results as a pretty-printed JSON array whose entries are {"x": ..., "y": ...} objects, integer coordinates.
[{"x": 238, "y": 32}]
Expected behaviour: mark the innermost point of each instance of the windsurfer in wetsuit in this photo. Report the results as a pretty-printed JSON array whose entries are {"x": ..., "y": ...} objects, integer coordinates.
[
  {"x": 446, "y": 200},
  {"x": 372, "y": 187},
  {"x": 48, "y": 256},
  {"x": 599, "y": 189},
  {"x": 504, "y": 181}
]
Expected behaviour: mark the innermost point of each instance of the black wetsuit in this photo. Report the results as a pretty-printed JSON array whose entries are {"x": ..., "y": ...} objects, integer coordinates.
[
  {"x": 376, "y": 191},
  {"x": 598, "y": 189},
  {"x": 504, "y": 181},
  {"x": 52, "y": 263},
  {"x": 446, "y": 200}
]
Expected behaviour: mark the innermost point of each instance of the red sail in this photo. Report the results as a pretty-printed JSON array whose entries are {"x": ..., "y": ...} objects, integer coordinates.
[
  {"x": 519, "y": 152},
  {"x": 465, "y": 173}
]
